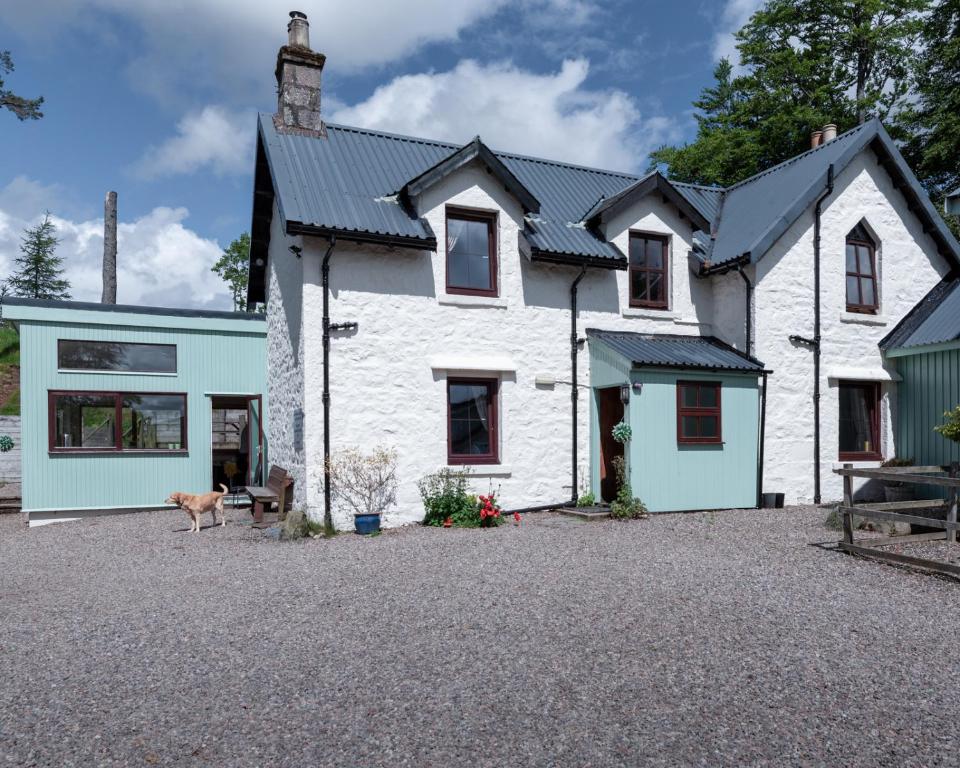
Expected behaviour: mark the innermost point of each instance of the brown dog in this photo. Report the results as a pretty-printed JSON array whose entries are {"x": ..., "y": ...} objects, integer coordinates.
[{"x": 196, "y": 504}]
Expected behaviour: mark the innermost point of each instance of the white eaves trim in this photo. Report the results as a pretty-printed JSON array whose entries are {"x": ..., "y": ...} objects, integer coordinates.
[
  {"x": 863, "y": 374},
  {"x": 472, "y": 363}
]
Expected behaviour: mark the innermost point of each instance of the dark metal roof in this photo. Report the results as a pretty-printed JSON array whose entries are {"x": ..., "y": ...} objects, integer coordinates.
[
  {"x": 673, "y": 351},
  {"x": 608, "y": 207},
  {"x": 131, "y": 308},
  {"x": 935, "y": 320},
  {"x": 758, "y": 210}
]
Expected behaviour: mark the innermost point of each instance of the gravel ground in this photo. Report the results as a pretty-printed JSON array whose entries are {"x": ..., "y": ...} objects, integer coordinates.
[{"x": 700, "y": 639}]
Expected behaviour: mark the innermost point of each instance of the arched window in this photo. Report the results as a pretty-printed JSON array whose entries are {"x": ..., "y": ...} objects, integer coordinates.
[{"x": 861, "y": 272}]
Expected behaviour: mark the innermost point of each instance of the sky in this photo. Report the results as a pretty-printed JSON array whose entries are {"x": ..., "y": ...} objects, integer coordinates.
[{"x": 156, "y": 99}]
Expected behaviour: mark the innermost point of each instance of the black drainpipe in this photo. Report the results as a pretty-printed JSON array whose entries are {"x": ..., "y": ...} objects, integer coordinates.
[
  {"x": 325, "y": 276},
  {"x": 816, "y": 334},
  {"x": 749, "y": 285},
  {"x": 574, "y": 392},
  {"x": 763, "y": 429}
]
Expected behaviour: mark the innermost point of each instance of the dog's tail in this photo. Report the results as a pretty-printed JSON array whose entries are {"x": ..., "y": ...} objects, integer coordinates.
[{"x": 225, "y": 489}]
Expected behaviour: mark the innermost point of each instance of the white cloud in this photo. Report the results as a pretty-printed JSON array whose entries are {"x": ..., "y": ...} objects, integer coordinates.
[
  {"x": 735, "y": 14},
  {"x": 230, "y": 45},
  {"x": 214, "y": 138},
  {"x": 160, "y": 261},
  {"x": 548, "y": 115}
]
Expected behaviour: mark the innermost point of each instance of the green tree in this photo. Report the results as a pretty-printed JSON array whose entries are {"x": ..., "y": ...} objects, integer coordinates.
[
  {"x": 232, "y": 266},
  {"x": 807, "y": 63},
  {"x": 24, "y": 109},
  {"x": 39, "y": 271},
  {"x": 932, "y": 119}
]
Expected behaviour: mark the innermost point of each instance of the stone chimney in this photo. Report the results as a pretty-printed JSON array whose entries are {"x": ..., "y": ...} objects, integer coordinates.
[
  {"x": 829, "y": 132},
  {"x": 298, "y": 81},
  {"x": 815, "y": 138}
]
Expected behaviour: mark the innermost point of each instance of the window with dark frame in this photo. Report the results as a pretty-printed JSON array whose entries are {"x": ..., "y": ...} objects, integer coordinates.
[
  {"x": 472, "y": 421},
  {"x": 471, "y": 252},
  {"x": 859, "y": 421},
  {"x": 122, "y": 356},
  {"x": 117, "y": 421},
  {"x": 648, "y": 271},
  {"x": 698, "y": 412},
  {"x": 861, "y": 272}
]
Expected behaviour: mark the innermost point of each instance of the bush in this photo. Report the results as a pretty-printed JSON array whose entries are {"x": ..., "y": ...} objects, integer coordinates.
[
  {"x": 626, "y": 506},
  {"x": 950, "y": 429},
  {"x": 6, "y": 443},
  {"x": 445, "y": 495},
  {"x": 587, "y": 500}
]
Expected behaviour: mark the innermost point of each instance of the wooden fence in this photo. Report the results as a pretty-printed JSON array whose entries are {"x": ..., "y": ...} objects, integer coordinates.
[
  {"x": 10, "y": 461},
  {"x": 947, "y": 478}
]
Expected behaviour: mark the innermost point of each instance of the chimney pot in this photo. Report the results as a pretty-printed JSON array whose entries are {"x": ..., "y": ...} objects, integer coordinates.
[
  {"x": 298, "y": 29},
  {"x": 829, "y": 132},
  {"x": 815, "y": 139}
]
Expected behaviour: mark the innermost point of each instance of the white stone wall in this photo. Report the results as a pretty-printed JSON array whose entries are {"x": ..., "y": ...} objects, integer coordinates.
[
  {"x": 908, "y": 268},
  {"x": 285, "y": 356},
  {"x": 730, "y": 306},
  {"x": 388, "y": 379}
]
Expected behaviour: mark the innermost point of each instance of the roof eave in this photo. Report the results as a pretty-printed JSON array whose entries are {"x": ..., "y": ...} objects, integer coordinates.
[
  {"x": 578, "y": 259},
  {"x": 428, "y": 243},
  {"x": 603, "y": 210}
]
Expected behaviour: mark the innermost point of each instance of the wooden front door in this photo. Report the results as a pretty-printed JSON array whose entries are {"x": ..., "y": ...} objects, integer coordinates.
[{"x": 610, "y": 410}]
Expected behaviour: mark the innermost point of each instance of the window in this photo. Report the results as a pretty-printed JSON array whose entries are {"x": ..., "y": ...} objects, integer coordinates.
[
  {"x": 472, "y": 421},
  {"x": 648, "y": 271},
  {"x": 861, "y": 272},
  {"x": 860, "y": 421},
  {"x": 471, "y": 252},
  {"x": 119, "y": 356},
  {"x": 117, "y": 421},
  {"x": 698, "y": 412}
]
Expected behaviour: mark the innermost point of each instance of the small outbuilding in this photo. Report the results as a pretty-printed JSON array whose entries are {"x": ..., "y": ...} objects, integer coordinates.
[
  {"x": 925, "y": 347},
  {"x": 695, "y": 410},
  {"x": 121, "y": 405}
]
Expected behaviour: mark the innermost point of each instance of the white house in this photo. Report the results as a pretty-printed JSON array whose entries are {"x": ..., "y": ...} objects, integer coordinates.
[{"x": 464, "y": 291}]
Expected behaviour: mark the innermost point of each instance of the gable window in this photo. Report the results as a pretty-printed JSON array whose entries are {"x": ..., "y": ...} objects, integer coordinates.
[
  {"x": 116, "y": 356},
  {"x": 698, "y": 412},
  {"x": 860, "y": 421},
  {"x": 472, "y": 421},
  {"x": 471, "y": 252},
  {"x": 648, "y": 270},
  {"x": 117, "y": 421},
  {"x": 861, "y": 272}
]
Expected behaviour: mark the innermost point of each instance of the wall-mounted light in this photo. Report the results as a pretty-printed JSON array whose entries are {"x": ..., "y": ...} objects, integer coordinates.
[
  {"x": 637, "y": 387},
  {"x": 624, "y": 393}
]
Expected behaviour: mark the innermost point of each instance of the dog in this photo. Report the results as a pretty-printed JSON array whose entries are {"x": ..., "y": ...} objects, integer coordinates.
[{"x": 195, "y": 504}]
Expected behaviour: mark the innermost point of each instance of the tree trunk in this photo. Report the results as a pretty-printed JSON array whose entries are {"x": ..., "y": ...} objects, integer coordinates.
[{"x": 109, "y": 249}]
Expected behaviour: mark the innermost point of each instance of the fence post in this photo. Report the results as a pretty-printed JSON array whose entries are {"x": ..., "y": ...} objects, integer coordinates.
[
  {"x": 952, "y": 502},
  {"x": 847, "y": 503}
]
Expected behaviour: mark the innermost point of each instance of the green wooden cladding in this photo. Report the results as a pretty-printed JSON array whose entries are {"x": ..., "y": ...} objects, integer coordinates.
[
  {"x": 930, "y": 386},
  {"x": 214, "y": 356},
  {"x": 668, "y": 476}
]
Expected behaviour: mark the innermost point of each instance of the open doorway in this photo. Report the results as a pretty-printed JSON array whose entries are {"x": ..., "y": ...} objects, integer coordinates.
[
  {"x": 236, "y": 439},
  {"x": 610, "y": 411}
]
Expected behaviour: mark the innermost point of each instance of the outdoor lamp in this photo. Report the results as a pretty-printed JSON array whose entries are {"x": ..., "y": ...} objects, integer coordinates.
[{"x": 624, "y": 393}]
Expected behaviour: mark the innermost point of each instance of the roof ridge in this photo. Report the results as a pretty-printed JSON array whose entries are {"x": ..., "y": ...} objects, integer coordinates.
[
  {"x": 802, "y": 155},
  {"x": 710, "y": 187}
]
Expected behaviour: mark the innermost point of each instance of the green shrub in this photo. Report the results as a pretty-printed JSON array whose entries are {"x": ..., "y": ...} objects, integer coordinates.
[
  {"x": 587, "y": 500},
  {"x": 6, "y": 443},
  {"x": 626, "y": 506},
  {"x": 622, "y": 432},
  {"x": 445, "y": 494},
  {"x": 950, "y": 429}
]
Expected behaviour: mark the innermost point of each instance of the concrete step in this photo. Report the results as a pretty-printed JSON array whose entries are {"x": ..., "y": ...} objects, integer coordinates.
[{"x": 587, "y": 513}]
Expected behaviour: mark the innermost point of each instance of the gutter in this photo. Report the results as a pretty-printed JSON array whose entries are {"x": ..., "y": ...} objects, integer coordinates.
[
  {"x": 325, "y": 277},
  {"x": 749, "y": 308},
  {"x": 818, "y": 210},
  {"x": 574, "y": 390},
  {"x": 397, "y": 241},
  {"x": 763, "y": 429}
]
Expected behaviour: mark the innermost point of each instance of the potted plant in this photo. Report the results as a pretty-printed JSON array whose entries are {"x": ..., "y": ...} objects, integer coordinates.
[
  {"x": 366, "y": 484},
  {"x": 894, "y": 490}
]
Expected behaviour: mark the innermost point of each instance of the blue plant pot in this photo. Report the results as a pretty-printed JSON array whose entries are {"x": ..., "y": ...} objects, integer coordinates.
[{"x": 366, "y": 524}]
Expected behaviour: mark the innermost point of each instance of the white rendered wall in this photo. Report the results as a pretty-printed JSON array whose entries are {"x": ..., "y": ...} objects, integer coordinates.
[
  {"x": 384, "y": 390},
  {"x": 908, "y": 268},
  {"x": 285, "y": 355}
]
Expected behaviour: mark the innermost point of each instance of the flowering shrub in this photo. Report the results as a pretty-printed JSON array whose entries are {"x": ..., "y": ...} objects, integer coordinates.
[
  {"x": 622, "y": 432},
  {"x": 489, "y": 511},
  {"x": 626, "y": 506},
  {"x": 445, "y": 497},
  {"x": 951, "y": 428}
]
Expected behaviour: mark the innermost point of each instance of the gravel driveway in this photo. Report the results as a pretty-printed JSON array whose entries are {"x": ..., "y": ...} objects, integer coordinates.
[{"x": 701, "y": 639}]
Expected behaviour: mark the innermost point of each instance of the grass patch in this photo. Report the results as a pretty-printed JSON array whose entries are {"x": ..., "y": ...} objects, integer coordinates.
[
  {"x": 9, "y": 345},
  {"x": 12, "y": 406}
]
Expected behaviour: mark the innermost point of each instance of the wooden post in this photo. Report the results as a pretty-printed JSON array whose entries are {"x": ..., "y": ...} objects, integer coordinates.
[
  {"x": 847, "y": 503},
  {"x": 952, "y": 507},
  {"x": 109, "y": 295}
]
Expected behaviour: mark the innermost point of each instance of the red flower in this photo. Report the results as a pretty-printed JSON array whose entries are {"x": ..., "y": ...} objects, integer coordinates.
[{"x": 516, "y": 516}]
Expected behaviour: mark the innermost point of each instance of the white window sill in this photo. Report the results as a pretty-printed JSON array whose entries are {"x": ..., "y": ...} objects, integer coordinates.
[
  {"x": 872, "y": 464},
  {"x": 483, "y": 470},
  {"x": 465, "y": 300},
  {"x": 115, "y": 373},
  {"x": 650, "y": 314},
  {"x": 862, "y": 319}
]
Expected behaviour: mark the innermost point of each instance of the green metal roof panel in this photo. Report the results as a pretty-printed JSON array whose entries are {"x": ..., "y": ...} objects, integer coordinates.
[
  {"x": 935, "y": 320},
  {"x": 673, "y": 351}
]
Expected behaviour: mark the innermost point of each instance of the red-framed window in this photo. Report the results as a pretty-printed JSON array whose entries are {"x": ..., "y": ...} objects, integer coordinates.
[
  {"x": 698, "y": 412},
  {"x": 860, "y": 421},
  {"x": 471, "y": 252},
  {"x": 861, "y": 284},
  {"x": 121, "y": 356},
  {"x": 472, "y": 421},
  {"x": 649, "y": 270},
  {"x": 84, "y": 421}
]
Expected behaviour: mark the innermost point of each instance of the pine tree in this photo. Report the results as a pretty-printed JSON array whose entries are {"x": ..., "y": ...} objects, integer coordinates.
[
  {"x": 24, "y": 109},
  {"x": 39, "y": 270},
  {"x": 232, "y": 266}
]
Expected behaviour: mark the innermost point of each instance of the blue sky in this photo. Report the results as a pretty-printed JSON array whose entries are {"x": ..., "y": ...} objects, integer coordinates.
[{"x": 156, "y": 99}]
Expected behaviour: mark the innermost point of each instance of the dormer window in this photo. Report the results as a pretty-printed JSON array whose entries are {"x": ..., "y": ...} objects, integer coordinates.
[
  {"x": 861, "y": 272},
  {"x": 471, "y": 252},
  {"x": 649, "y": 270}
]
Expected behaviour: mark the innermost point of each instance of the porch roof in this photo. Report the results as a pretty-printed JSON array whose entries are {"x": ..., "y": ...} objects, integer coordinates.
[{"x": 676, "y": 351}]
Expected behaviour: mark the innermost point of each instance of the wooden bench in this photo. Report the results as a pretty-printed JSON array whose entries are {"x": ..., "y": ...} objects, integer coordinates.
[{"x": 277, "y": 491}]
